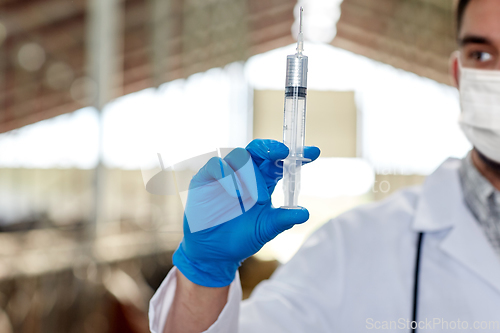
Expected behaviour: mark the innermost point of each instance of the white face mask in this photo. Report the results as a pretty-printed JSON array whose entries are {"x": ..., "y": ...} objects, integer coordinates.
[{"x": 480, "y": 117}]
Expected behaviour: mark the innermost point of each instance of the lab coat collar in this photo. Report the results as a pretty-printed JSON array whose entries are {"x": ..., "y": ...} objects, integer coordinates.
[
  {"x": 442, "y": 206},
  {"x": 441, "y": 192}
]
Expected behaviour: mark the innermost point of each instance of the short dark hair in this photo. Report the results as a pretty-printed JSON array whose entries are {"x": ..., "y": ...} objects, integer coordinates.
[{"x": 462, "y": 5}]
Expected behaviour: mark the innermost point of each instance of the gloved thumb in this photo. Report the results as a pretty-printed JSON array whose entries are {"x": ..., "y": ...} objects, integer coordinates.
[{"x": 279, "y": 220}]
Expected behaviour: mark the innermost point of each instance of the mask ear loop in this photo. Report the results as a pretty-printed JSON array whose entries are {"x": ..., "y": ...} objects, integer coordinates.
[{"x": 456, "y": 55}]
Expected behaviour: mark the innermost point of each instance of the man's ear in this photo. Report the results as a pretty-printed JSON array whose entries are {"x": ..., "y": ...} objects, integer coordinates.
[{"x": 455, "y": 69}]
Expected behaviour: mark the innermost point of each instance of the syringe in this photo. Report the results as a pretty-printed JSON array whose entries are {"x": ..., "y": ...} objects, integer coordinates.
[{"x": 294, "y": 124}]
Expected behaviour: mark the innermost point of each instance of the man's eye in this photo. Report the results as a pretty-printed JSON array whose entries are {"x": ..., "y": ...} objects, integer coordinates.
[{"x": 480, "y": 56}]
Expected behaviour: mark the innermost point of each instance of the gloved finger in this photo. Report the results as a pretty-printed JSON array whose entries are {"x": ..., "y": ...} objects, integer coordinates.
[
  {"x": 312, "y": 153},
  {"x": 279, "y": 220},
  {"x": 273, "y": 171},
  {"x": 266, "y": 150},
  {"x": 267, "y": 155},
  {"x": 284, "y": 219},
  {"x": 217, "y": 169},
  {"x": 253, "y": 183}
]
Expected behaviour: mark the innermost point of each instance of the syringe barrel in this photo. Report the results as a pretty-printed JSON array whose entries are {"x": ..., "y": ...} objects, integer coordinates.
[
  {"x": 294, "y": 122},
  {"x": 296, "y": 71},
  {"x": 294, "y": 126}
]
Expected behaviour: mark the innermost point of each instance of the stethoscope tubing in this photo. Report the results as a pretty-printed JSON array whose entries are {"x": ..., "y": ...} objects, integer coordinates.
[{"x": 414, "y": 322}]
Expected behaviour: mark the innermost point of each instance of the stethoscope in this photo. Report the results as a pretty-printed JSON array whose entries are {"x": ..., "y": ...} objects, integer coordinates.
[{"x": 415, "y": 282}]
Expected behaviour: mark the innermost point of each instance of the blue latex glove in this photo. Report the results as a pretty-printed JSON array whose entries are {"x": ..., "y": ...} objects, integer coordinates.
[{"x": 229, "y": 206}]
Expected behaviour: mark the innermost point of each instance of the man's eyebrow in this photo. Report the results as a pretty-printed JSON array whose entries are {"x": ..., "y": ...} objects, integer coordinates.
[{"x": 474, "y": 40}]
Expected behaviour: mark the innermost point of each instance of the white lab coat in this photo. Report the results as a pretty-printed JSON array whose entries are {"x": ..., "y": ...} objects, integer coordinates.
[{"x": 356, "y": 273}]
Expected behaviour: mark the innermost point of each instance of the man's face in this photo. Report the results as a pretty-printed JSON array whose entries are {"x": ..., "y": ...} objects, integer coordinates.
[{"x": 479, "y": 36}]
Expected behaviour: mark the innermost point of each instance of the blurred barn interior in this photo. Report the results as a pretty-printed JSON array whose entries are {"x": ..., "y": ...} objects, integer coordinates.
[{"x": 82, "y": 249}]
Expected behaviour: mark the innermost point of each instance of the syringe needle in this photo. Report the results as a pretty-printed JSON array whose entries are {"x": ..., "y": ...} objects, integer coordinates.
[
  {"x": 300, "y": 19},
  {"x": 300, "y": 37}
]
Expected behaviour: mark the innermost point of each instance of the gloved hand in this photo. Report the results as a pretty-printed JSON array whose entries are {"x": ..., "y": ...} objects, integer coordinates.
[{"x": 229, "y": 210}]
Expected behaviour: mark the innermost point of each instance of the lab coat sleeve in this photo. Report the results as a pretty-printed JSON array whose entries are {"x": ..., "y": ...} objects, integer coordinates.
[
  {"x": 162, "y": 300},
  {"x": 304, "y": 295}
]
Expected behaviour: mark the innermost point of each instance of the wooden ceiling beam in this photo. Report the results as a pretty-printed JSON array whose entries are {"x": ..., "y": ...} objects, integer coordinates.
[
  {"x": 62, "y": 34},
  {"x": 416, "y": 36},
  {"x": 387, "y": 58},
  {"x": 26, "y": 16}
]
